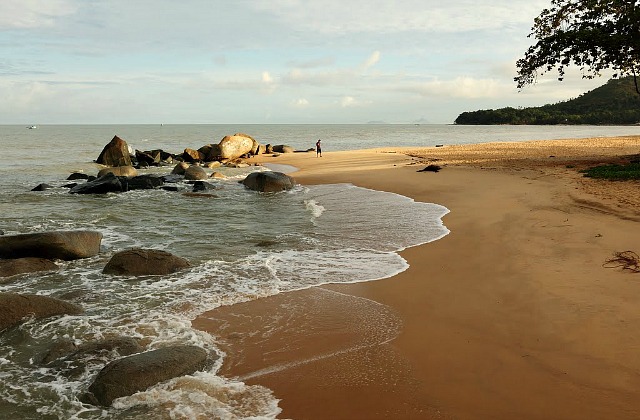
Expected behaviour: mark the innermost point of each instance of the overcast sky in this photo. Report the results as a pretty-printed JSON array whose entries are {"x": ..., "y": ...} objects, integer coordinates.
[{"x": 271, "y": 61}]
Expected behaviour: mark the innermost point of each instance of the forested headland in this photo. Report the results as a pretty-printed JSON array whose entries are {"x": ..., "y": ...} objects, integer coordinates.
[{"x": 615, "y": 103}]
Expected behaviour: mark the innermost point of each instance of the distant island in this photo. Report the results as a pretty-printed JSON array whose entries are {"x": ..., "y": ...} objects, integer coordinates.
[{"x": 615, "y": 103}]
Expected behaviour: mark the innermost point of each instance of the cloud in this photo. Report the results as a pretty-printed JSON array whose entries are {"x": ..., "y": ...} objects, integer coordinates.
[
  {"x": 25, "y": 14},
  {"x": 372, "y": 60},
  {"x": 315, "y": 63},
  {"x": 351, "y": 102},
  {"x": 301, "y": 103}
]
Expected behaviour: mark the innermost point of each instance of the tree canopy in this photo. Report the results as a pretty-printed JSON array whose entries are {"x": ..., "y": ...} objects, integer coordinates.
[{"x": 591, "y": 34}]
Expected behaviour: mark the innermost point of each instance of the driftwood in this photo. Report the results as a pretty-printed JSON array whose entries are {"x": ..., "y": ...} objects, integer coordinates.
[{"x": 628, "y": 260}]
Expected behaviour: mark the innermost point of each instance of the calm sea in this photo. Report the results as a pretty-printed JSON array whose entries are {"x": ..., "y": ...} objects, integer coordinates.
[{"x": 242, "y": 245}]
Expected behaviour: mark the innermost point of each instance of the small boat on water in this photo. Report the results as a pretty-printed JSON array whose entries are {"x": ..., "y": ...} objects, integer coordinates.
[{"x": 31, "y": 127}]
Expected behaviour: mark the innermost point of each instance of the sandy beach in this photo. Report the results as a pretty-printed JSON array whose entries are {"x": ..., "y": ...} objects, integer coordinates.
[{"x": 512, "y": 315}]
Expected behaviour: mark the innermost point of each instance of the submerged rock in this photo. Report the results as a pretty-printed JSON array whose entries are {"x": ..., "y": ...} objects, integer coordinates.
[
  {"x": 140, "y": 262},
  {"x": 60, "y": 245},
  {"x": 12, "y": 267},
  {"x": 136, "y": 373},
  {"x": 16, "y": 307}
]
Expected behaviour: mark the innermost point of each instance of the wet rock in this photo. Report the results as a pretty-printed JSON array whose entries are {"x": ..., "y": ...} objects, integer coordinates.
[
  {"x": 136, "y": 373},
  {"x": 103, "y": 185},
  {"x": 145, "y": 182},
  {"x": 42, "y": 187},
  {"x": 61, "y": 245},
  {"x": 180, "y": 168},
  {"x": 116, "y": 153},
  {"x": 65, "y": 352},
  {"x": 199, "y": 186},
  {"x": 172, "y": 178},
  {"x": 77, "y": 175},
  {"x": 268, "y": 181},
  {"x": 16, "y": 307},
  {"x": 128, "y": 171},
  {"x": 12, "y": 267},
  {"x": 140, "y": 262},
  {"x": 195, "y": 172}
]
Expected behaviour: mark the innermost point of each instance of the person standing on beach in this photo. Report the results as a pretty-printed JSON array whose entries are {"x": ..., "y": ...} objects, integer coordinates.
[{"x": 318, "y": 149}]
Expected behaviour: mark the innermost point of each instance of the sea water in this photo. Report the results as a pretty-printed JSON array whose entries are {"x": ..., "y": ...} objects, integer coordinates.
[{"x": 242, "y": 245}]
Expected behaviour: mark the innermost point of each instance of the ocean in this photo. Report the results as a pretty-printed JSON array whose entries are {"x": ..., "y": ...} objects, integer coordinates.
[{"x": 242, "y": 246}]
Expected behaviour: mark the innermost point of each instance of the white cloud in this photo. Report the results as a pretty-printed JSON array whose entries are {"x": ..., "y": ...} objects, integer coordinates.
[
  {"x": 301, "y": 103},
  {"x": 24, "y": 14},
  {"x": 372, "y": 60}
]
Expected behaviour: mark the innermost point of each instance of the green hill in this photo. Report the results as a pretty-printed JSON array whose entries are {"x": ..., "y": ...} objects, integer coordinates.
[{"x": 615, "y": 103}]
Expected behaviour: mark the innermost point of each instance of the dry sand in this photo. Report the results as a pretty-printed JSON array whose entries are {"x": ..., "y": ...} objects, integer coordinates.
[{"x": 510, "y": 316}]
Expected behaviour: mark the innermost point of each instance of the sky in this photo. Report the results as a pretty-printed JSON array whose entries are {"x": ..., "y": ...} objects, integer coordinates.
[{"x": 266, "y": 62}]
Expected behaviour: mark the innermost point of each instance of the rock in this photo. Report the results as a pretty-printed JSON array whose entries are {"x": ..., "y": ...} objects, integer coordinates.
[
  {"x": 11, "y": 267},
  {"x": 136, "y": 373},
  {"x": 140, "y": 262},
  {"x": 70, "y": 185},
  {"x": 199, "y": 186},
  {"x": 192, "y": 156},
  {"x": 199, "y": 195},
  {"x": 116, "y": 153},
  {"x": 261, "y": 149},
  {"x": 128, "y": 171},
  {"x": 41, "y": 187},
  {"x": 217, "y": 175},
  {"x": 268, "y": 181},
  {"x": 268, "y": 149},
  {"x": 77, "y": 175},
  {"x": 171, "y": 188},
  {"x": 15, "y": 307},
  {"x": 145, "y": 182},
  {"x": 213, "y": 153},
  {"x": 283, "y": 148},
  {"x": 105, "y": 184},
  {"x": 149, "y": 158},
  {"x": 172, "y": 178},
  {"x": 67, "y": 350},
  {"x": 61, "y": 245},
  {"x": 194, "y": 172},
  {"x": 180, "y": 168},
  {"x": 232, "y": 147},
  {"x": 431, "y": 168},
  {"x": 213, "y": 165}
]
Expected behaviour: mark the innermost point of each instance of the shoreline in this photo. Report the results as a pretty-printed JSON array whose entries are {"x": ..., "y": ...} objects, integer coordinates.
[{"x": 510, "y": 315}]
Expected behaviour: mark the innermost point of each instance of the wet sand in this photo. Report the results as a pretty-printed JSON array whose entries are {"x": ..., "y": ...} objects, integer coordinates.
[{"x": 511, "y": 315}]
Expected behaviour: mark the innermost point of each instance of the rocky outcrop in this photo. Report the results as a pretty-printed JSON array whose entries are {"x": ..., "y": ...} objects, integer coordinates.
[
  {"x": 61, "y": 245},
  {"x": 140, "y": 262},
  {"x": 103, "y": 185},
  {"x": 269, "y": 181},
  {"x": 194, "y": 172},
  {"x": 116, "y": 153},
  {"x": 128, "y": 171},
  {"x": 232, "y": 147},
  {"x": 193, "y": 156},
  {"x": 16, "y": 266},
  {"x": 15, "y": 307},
  {"x": 136, "y": 373}
]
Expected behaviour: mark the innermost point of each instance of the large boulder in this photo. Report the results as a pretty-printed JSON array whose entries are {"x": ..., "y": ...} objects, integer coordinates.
[
  {"x": 15, "y": 307},
  {"x": 103, "y": 185},
  {"x": 136, "y": 373},
  {"x": 12, "y": 267},
  {"x": 116, "y": 153},
  {"x": 190, "y": 155},
  {"x": 232, "y": 147},
  {"x": 269, "y": 181},
  {"x": 128, "y": 171},
  {"x": 61, "y": 245},
  {"x": 140, "y": 262},
  {"x": 194, "y": 172}
]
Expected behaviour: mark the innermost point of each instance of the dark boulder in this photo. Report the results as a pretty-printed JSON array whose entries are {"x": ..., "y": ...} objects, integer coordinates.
[
  {"x": 140, "y": 262},
  {"x": 103, "y": 185},
  {"x": 61, "y": 245},
  {"x": 15, "y": 307},
  {"x": 77, "y": 175},
  {"x": 136, "y": 373},
  {"x": 41, "y": 187},
  {"x": 283, "y": 148},
  {"x": 145, "y": 182},
  {"x": 11, "y": 267},
  {"x": 66, "y": 352},
  {"x": 199, "y": 186},
  {"x": 148, "y": 158},
  {"x": 269, "y": 181},
  {"x": 193, "y": 156},
  {"x": 172, "y": 178},
  {"x": 116, "y": 153}
]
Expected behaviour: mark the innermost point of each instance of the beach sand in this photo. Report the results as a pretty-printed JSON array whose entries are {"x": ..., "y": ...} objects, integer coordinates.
[{"x": 510, "y": 316}]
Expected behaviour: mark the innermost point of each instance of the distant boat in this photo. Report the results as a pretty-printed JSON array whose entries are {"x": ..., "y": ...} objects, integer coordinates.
[{"x": 31, "y": 127}]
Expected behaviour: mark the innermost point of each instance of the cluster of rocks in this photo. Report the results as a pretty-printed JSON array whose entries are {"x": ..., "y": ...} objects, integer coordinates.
[
  {"x": 138, "y": 369},
  {"x": 121, "y": 171}
]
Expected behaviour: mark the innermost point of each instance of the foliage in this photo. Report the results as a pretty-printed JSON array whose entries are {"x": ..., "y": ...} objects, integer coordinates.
[
  {"x": 625, "y": 172},
  {"x": 591, "y": 34},
  {"x": 615, "y": 103}
]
